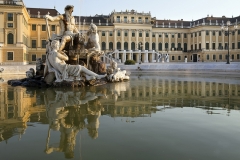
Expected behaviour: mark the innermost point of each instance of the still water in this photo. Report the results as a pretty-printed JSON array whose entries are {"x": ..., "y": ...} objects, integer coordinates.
[{"x": 150, "y": 117}]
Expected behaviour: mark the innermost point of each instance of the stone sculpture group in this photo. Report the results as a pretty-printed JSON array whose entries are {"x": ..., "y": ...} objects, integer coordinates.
[{"x": 72, "y": 59}]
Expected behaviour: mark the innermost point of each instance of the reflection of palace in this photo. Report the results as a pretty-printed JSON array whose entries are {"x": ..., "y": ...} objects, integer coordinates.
[
  {"x": 16, "y": 106},
  {"x": 70, "y": 111}
]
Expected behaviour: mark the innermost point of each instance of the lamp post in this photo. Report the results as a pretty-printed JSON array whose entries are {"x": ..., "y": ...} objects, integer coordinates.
[{"x": 226, "y": 29}]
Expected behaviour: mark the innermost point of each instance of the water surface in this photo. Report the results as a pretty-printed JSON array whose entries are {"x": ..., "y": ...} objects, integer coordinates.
[{"x": 150, "y": 117}]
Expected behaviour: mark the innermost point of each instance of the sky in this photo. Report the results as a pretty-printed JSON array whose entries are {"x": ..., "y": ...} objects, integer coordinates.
[{"x": 161, "y": 9}]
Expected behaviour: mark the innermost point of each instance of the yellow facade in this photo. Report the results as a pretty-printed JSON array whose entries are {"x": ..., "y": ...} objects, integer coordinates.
[{"x": 137, "y": 36}]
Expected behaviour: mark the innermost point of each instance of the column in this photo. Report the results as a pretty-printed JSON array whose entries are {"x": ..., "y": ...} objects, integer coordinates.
[
  {"x": 230, "y": 42},
  {"x": 156, "y": 36},
  {"x": 210, "y": 40},
  {"x": 2, "y": 26},
  {"x": 203, "y": 40},
  {"x": 58, "y": 29},
  {"x": 137, "y": 33},
  {"x": 146, "y": 56},
  {"x": 107, "y": 41},
  {"x": 38, "y": 38},
  {"x": 122, "y": 39},
  {"x": 150, "y": 43},
  {"x": 236, "y": 40},
  {"x": 163, "y": 41},
  {"x": 182, "y": 45},
  {"x": 100, "y": 38},
  {"x": 176, "y": 37},
  {"x": 216, "y": 44},
  {"x": 169, "y": 41},
  {"x": 198, "y": 41},
  {"x": 115, "y": 39},
  {"x": 223, "y": 43},
  {"x": 19, "y": 29},
  {"x": 189, "y": 41},
  {"x": 129, "y": 39},
  {"x": 144, "y": 41}
]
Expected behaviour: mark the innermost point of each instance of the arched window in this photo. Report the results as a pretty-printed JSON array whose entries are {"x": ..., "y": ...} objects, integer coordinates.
[
  {"x": 160, "y": 46},
  {"x": 110, "y": 46},
  {"x": 146, "y": 46},
  {"x": 172, "y": 45},
  {"x": 179, "y": 46},
  {"x": 133, "y": 47},
  {"x": 185, "y": 47},
  {"x": 166, "y": 45},
  {"x": 10, "y": 38},
  {"x": 103, "y": 46},
  {"x": 119, "y": 45},
  {"x": 153, "y": 46},
  {"x": 125, "y": 46}
]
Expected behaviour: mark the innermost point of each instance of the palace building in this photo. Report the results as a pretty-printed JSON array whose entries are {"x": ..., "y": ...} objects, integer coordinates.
[{"x": 129, "y": 35}]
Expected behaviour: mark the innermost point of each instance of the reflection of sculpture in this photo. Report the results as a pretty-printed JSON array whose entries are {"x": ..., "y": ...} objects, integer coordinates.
[
  {"x": 115, "y": 74},
  {"x": 67, "y": 24},
  {"x": 66, "y": 116},
  {"x": 55, "y": 62}
]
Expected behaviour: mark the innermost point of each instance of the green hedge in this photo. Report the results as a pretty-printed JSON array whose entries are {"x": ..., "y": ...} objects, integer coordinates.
[{"x": 129, "y": 62}]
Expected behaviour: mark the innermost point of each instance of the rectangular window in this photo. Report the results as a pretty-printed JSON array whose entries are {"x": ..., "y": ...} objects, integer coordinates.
[
  {"x": 207, "y": 45},
  {"x": 179, "y": 35},
  {"x": 238, "y": 45},
  {"x": 53, "y": 28},
  {"x": 238, "y": 56},
  {"x": 34, "y": 44},
  {"x": 220, "y": 57},
  {"x": 10, "y": 56},
  {"x": 44, "y": 57},
  {"x": 238, "y": 32},
  {"x": 118, "y": 19},
  {"x": 213, "y": 33},
  {"x": 125, "y": 19},
  {"x": 233, "y": 33},
  {"x": 126, "y": 33},
  {"x": 140, "y": 34},
  {"x": 110, "y": 33},
  {"x": 173, "y": 58},
  {"x": 160, "y": 35},
  {"x": 34, "y": 57},
  {"x": 147, "y": 34},
  {"x": 191, "y": 35},
  {"x": 195, "y": 34},
  {"x": 153, "y": 34},
  {"x": 220, "y": 33},
  {"x": 132, "y": 19},
  {"x": 185, "y": 35},
  {"x": 119, "y": 33},
  {"x": 10, "y": 25},
  {"x": 213, "y": 46},
  {"x": 34, "y": 27},
  {"x": 43, "y": 43},
  {"x": 103, "y": 33},
  {"x": 207, "y": 33},
  {"x": 233, "y": 45},
  {"x": 139, "y": 19},
  {"x": 133, "y": 33},
  {"x": 200, "y": 33},
  {"x": 43, "y": 27},
  {"x": 232, "y": 56},
  {"x": 220, "y": 46},
  {"x": 146, "y": 20},
  {"x": 10, "y": 16},
  {"x": 166, "y": 35},
  {"x": 207, "y": 56},
  {"x": 214, "y": 57},
  {"x": 179, "y": 58},
  {"x": 172, "y": 35}
]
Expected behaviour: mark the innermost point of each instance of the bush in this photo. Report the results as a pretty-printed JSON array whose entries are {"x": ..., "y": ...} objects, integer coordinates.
[{"x": 129, "y": 62}]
